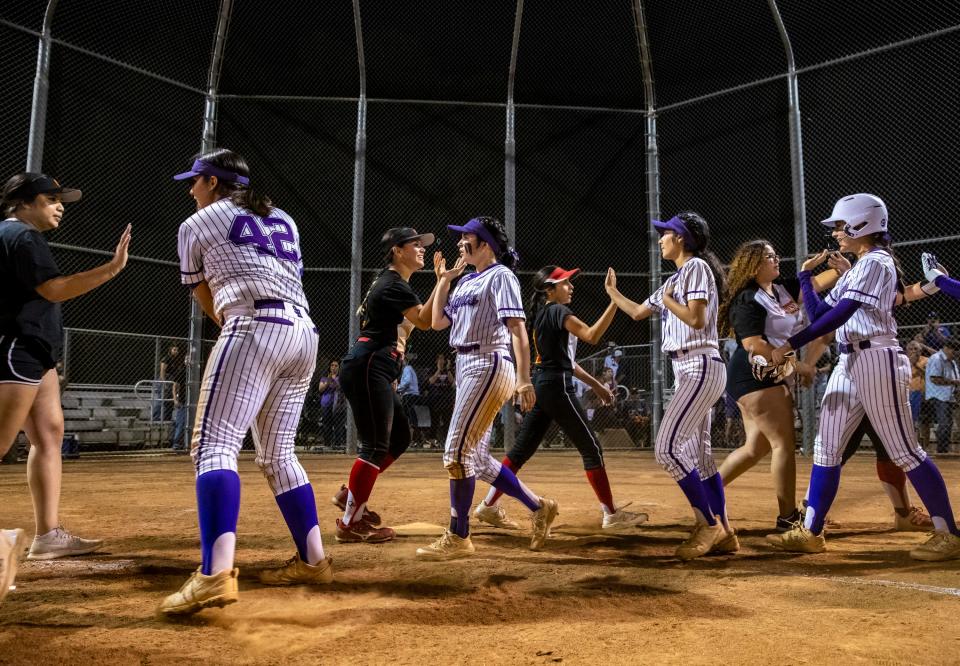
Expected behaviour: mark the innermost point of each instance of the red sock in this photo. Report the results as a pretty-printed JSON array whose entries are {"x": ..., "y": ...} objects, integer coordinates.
[
  {"x": 387, "y": 461},
  {"x": 601, "y": 486},
  {"x": 362, "y": 477},
  {"x": 497, "y": 494},
  {"x": 890, "y": 474}
]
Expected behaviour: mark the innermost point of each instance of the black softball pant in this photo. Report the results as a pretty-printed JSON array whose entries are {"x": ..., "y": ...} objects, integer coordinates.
[
  {"x": 865, "y": 429},
  {"x": 556, "y": 401},
  {"x": 367, "y": 382}
]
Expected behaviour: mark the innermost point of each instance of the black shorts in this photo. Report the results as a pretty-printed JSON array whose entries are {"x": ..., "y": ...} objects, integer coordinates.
[
  {"x": 21, "y": 362},
  {"x": 740, "y": 379}
]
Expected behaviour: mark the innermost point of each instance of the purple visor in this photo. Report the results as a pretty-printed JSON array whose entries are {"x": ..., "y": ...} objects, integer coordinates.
[
  {"x": 676, "y": 225},
  {"x": 475, "y": 226},
  {"x": 206, "y": 169}
]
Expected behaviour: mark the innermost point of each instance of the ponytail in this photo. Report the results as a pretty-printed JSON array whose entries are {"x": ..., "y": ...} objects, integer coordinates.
[
  {"x": 241, "y": 195},
  {"x": 884, "y": 241},
  {"x": 507, "y": 256},
  {"x": 697, "y": 226},
  {"x": 539, "y": 297}
]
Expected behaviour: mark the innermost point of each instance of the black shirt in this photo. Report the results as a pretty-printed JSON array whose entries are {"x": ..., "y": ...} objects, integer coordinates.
[
  {"x": 25, "y": 263},
  {"x": 176, "y": 369},
  {"x": 774, "y": 317},
  {"x": 554, "y": 346},
  {"x": 383, "y": 307}
]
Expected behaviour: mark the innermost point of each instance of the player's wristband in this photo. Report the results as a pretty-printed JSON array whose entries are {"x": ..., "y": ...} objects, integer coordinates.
[
  {"x": 929, "y": 288},
  {"x": 524, "y": 388}
]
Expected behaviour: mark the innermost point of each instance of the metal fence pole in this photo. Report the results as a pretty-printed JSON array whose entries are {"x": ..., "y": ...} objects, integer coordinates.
[
  {"x": 808, "y": 407},
  {"x": 507, "y": 414},
  {"x": 653, "y": 209},
  {"x": 41, "y": 88},
  {"x": 356, "y": 237},
  {"x": 194, "y": 361}
]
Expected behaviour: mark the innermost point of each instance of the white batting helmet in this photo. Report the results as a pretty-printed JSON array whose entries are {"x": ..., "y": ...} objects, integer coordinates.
[{"x": 861, "y": 214}]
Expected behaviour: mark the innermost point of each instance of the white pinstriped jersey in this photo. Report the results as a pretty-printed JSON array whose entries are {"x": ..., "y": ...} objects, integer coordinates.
[
  {"x": 480, "y": 303},
  {"x": 872, "y": 282},
  {"x": 241, "y": 256},
  {"x": 694, "y": 281}
]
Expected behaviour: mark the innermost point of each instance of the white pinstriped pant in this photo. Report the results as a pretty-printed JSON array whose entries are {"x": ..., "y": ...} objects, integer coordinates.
[
  {"x": 484, "y": 382},
  {"x": 683, "y": 441},
  {"x": 875, "y": 382},
  {"x": 256, "y": 379}
]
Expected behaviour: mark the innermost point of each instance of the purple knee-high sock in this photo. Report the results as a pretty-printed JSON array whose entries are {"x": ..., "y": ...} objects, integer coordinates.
[
  {"x": 696, "y": 493},
  {"x": 218, "y": 506},
  {"x": 299, "y": 509},
  {"x": 508, "y": 483},
  {"x": 928, "y": 482},
  {"x": 715, "y": 495},
  {"x": 461, "y": 499},
  {"x": 824, "y": 483}
]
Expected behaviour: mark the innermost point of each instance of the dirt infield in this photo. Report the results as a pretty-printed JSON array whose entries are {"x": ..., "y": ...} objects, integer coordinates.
[{"x": 587, "y": 598}]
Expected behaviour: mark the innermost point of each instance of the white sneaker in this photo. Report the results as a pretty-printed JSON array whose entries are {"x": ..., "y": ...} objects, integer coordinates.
[
  {"x": 495, "y": 516},
  {"x": 60, "y": 543},
  {"x": 621, "y": 519},
  {"x": 12, "y": 543},
  {"x": 939, "y": 547}
]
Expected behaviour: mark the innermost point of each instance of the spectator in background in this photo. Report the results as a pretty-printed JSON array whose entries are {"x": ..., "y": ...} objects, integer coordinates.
[
  {"x": 176, "y": 372},
  {"x": 604, "y": 416},
  {"x": 942, "y": 377},
  {"x": 171, "y": 363},
  {"x": 612, "y": 359},
  {"x": 918, "y": 385},
  {"x": 441, "y": 397},
  {"x": 332, "y": 409},
  {"x": 638, "y": 424},
  {"x": 933, "y": 334},
  {"x": 409, "y": 390}
]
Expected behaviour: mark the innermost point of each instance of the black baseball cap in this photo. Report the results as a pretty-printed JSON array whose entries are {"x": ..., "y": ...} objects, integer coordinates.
[
  {"x": 38, "y": 183},
  {"x": 400, "y": 235}
]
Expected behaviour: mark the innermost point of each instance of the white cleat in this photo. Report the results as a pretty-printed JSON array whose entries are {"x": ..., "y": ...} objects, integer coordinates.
[
  {"x": 621, "y": 519},
  {"x": 495, "y": 516}
]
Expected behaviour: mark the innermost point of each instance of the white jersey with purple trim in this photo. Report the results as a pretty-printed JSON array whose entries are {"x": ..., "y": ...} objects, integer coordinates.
[
  {"x": 242, "y": 256},
  {"x": 478, "y": 306},
  {"x": 873, "y": 283},
  {"x": 694, "y": 281}
]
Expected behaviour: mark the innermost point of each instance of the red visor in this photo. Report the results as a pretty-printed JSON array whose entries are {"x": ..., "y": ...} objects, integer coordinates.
[{"x": 560, "y": 274}]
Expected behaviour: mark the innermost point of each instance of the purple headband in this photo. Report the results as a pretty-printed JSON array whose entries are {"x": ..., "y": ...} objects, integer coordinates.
[
  {"x": 676, "y": 225},
  {"x": 201, "y": 167},
  {"x": 475, "y": 226}
]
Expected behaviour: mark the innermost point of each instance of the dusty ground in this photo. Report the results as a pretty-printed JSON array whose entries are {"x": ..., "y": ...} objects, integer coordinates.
[{"x": 587, "y": 598}]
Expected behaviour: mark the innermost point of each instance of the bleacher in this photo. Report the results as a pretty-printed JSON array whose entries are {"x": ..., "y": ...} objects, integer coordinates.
[{"x": 112, "y": 418}]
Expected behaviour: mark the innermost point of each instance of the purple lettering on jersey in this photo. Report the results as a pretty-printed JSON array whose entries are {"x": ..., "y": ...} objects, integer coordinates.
[
  {"x": 462, "y": 301},
  {"x": 273, "y": 236}
]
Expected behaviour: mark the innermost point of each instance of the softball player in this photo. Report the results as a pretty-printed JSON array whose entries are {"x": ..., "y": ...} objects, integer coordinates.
[
  {"x": 688, "y": 302},
  {"x": 241, "y": 256},
  {"x": 555, "y": 331},
  {"x": 368, "y": 371},
  {"x": 31, "y": 344},
  {"x": 762, "y": 311},
  {"x": 871, "y": 377},
  {"x": 486, "y": 317}
]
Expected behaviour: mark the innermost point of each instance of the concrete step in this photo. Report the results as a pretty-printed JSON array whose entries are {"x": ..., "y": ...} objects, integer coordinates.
[
  {"x": 83, "y": 425},
  {"x": 102, "y": 437},
  {"x": 70, "y": 402},
  {"x": 76, "y": 414}
]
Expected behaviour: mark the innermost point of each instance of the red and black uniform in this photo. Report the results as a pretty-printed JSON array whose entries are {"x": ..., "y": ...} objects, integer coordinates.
[{"x": 371, "y": 366}]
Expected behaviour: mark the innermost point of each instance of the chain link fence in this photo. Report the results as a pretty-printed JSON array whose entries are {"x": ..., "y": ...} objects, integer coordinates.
[{"x": 878, "y": 100}]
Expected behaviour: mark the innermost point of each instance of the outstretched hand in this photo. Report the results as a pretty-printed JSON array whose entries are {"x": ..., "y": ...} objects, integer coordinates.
[
  {"x": 440, "y": 267},
  {"x": 610, "y": 282},
  {"x": 120, "y": 255},
  {"x": 838, "y": 262},
  {"x": 814, "y": 261}
]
